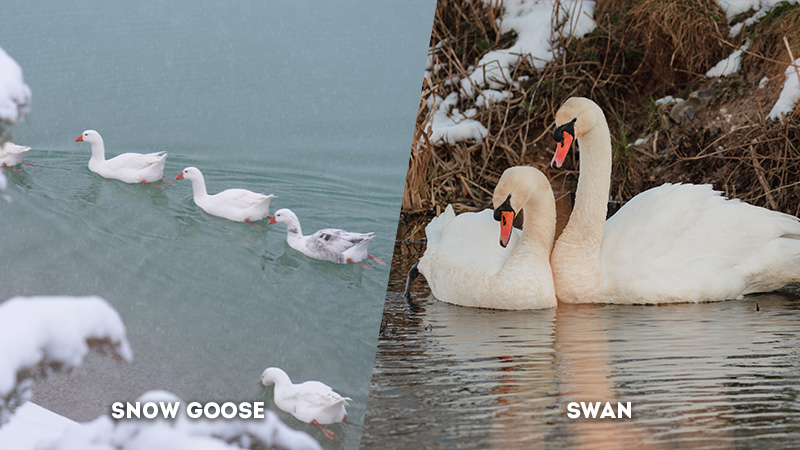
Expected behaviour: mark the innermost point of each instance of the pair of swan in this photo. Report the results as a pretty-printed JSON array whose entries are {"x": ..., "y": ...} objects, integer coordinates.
[{"x": 670, "y": 244}]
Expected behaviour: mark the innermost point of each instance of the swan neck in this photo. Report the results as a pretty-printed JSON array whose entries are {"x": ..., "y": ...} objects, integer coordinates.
[
  {"x": 540, "y": 221},
  {"x": 594, "y": 184}
]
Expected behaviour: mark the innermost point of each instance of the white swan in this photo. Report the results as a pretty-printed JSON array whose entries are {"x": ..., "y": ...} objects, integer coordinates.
[
  {"x": 311, "y": 402},
  {"x": 127, "y": 167},
  {"x": 673, "y": 243},
  {"x": 11, "y": 154},
  {"x": 329, "y": 244},
  {"x": 464, "y": 264},
  {"x": 238, "y": 205}
]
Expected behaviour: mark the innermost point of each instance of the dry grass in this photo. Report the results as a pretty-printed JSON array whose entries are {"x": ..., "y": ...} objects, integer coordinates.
[{"x": 640, "y": 51}]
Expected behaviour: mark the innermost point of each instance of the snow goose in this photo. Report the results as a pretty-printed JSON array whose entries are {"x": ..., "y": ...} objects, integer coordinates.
[
  {"x": 311, "y": 402},
  {"x": 11, "y": 154},
  {"x": 329, "y": 244},
  {"x": 465, "y": 265},
  {"x": 238, "y": 205},
  {"x": 672, "y": 243},
  {"x": 127, "y": 167}
]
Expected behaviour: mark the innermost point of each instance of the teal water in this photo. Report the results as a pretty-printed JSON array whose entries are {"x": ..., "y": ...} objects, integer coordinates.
[{"x": 312, "y": 101}]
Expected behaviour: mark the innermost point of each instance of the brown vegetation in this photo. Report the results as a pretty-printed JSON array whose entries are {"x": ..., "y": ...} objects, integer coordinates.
[{"x": 639, "y": 52}]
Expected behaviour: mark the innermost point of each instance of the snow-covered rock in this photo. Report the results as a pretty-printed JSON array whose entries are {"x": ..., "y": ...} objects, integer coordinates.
[
  {"x": 15, "y": 95},
  {"x": 38, "y": 334}
]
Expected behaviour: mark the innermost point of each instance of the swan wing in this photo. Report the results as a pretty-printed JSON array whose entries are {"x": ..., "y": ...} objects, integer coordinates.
[{"x": 691, "y": 241}]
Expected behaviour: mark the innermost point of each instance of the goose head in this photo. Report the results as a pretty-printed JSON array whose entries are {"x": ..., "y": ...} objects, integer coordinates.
[
  {"x": 190, "y": 173},
  {"x": 274, "y": 375},
  {"x": 284, "y": 215},
  {"x": 576, "y": 117},
  {"x": 515, "y": 188},
  {"x": 90, "y": 136}
]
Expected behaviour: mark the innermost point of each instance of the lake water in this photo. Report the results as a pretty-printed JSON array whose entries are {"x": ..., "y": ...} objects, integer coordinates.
[
  {"x": 702, "y": 376},
  {"x": 312, "y": 101}
]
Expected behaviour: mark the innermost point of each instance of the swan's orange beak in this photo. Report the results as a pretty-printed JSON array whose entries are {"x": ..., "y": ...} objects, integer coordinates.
[
  {"x": 271, "y": 220},
  {"x": 180, "y": 176},
  {"x": 506, "y": 225},
  {"x": 562, "y": 148},
  {"x": 79, "y": 138}
]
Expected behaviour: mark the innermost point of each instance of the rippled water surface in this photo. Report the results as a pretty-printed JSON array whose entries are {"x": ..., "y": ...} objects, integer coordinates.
[
  {"x": 715, "y": 375},
  {"x": 312, "y": 101}
]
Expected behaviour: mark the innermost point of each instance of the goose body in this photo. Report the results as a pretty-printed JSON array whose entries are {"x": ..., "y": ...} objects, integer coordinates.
[
  {"x": 311, "y": 402},
  {"x": 329, "y": 244},
  {"x": 127, "y": 167},
  {"x": 238, "y": 205},
  {"x": 465, "y": 265},
  {"x": 11, "y": 154},
  {"x": 670, "y": 244}
]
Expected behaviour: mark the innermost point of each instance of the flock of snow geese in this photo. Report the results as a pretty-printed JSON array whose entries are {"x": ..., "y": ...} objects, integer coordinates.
[{"x": 312, "y": 401}]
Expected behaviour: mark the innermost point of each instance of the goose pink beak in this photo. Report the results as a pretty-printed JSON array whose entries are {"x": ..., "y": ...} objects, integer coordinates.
[
  {"x": 79, "y": 138},
  {"x": 562, "y": 148}
]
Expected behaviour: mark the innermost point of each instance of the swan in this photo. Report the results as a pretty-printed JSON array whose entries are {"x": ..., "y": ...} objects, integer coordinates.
[
  {"x": 329, "y": 244},
  {"x": 127, "y": 167},
  {"x": 464, "y": 265},
  {"x": 11, "y": 154},
  {"x": 238, "y": 205},
  {"x": 311, "y": 402},
  {"x": 670, "y": 244}
]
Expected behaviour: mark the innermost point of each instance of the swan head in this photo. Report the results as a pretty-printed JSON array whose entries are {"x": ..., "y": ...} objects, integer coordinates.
[
  {"x": 273, "y": 375},
  {"x": 190, "y": 173},
  {"x": 576, "y": 117},
  {"x": 516, "y": 186},
  {"x": 89, "y": 136},
  {"x": 284, "y": 215}
]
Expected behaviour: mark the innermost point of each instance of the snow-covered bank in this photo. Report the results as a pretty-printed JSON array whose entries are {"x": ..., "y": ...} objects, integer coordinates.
[
  {"x": 15, "y": 95},
  {"x": 490, "y": 81},
  {"x": 38, "y": 334}
]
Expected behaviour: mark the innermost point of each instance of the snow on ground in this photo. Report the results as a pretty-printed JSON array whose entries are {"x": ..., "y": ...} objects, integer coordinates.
[
  {"x": 39, "y": 333},
  {"x": 181, "y": 433},
  {"x": 668, "y": 99},
  {"x": 729, "y": 65},
  {"x": 733, "y": 8},
  {"x": 30, "y": 425},
  {"x": 533, "y": 21},
  {"x": 789, "y": 95},
  {"x": 15, "y": 95}
]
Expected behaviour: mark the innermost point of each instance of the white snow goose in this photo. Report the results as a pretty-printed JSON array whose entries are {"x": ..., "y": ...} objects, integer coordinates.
[
  {"x": 238, "y": 205},
  {"x": 11, "y": 154},
  {"x": 311, "y": 402},
  {"x": 128, "y": 167},
  {"x": 329, "y": 244}
]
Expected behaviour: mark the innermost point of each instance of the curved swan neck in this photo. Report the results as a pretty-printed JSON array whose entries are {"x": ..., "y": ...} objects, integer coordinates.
[
  {"x": 540, "y": 221},
  {"x": 588, "y": 216}
]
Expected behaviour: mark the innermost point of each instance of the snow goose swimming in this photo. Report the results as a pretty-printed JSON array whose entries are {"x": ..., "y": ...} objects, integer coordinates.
[
  {"x": 311, "y": 402},
  {"x": 672, "y": 243},
  {"x": 329, "y": 244},
  {"x": 128, "y": 167},
  {"x": 11, "y": 154},
  {"x": 465, "y": 265},
  {"x": 238, "y": 205}
]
